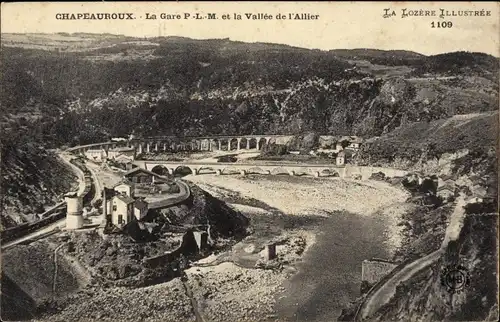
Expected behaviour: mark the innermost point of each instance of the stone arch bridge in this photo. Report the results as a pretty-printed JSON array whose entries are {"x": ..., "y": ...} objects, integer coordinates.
[
  {"x": 316, "y": 170},
  {"x": 202, "y": 143}
]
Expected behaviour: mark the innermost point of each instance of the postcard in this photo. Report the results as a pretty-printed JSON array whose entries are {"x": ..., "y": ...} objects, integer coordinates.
[{"x": 249, "y": 161}]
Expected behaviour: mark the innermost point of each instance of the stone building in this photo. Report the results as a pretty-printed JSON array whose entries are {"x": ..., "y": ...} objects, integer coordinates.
[
  {"x": 122, "y": 210},
  {"x": 446, "y": 191},
  {"x": 340, "y": 159},
  {"x": 74, "y": 211},
  {"x": 142, "y": 176},
  {"x": 98, "y": 155},
  {"x": 128, "y": 152},
  {"x": 140, "y": 209},
  {"x": 124, "y": 188},
  {"x": 123, "y": 158}
]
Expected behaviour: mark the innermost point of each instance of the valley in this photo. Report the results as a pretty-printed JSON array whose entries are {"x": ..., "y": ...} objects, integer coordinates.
[{"x": 232, "y": 181}]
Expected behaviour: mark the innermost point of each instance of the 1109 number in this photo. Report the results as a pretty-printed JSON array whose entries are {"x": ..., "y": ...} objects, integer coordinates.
[{"x": 441, "y": 24}]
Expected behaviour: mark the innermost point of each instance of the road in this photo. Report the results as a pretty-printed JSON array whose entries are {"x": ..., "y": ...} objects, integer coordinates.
[
  {"x": 66, "y": 157},
  {"x": 105, "y": 177},
  {"x": 172, "y": 199},
  {"x": 386, "y": 291},
  {"x": 456, "y": 222},
  {"x": 383, "y": 295},
  {"x": 98, "y": 186}
]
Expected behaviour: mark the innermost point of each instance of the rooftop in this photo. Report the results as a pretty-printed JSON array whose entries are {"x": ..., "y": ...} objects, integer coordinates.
[
  {"x": 125, "y": 199},
  {"x": 122, "y": 156},
  {"x": 124, "y": 182},
  {"x": 446, "y": 187},
  {"x": 124, "y": 149},
  {"x": 140, "y": 203},
  {"x": 95, "y": 151},
  {"x": 137, "y": 170}
]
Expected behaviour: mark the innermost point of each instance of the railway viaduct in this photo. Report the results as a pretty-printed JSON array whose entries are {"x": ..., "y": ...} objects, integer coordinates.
[{"x": 202, "y": 143}]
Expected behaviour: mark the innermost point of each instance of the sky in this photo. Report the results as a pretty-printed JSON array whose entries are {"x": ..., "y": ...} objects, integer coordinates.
[{"x": 343, "y": 25}]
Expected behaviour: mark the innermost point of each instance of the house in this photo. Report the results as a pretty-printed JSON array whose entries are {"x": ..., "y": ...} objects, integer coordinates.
[
  {"x": 125, "y": 188},
  {"x": 123, "y": 151},
  {"x": 446, "y": 191},
  {"x": 98, "y": 155},
  {"x": 340, "y": 160},
  {"x": 122, "y": 210},
  {"x": 123, "y": 158},
  {"x": 326, "y": 141},
  {"x": 139, "y": 175},
  {"x": 354, "y": 142},
  {"x": 140, "y": 209},
  {"x": 328, "y": 151}
]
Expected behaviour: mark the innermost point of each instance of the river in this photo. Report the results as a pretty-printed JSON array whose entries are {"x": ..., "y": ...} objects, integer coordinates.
[
  {"x": 330, "y": 275},
  {"x": 351, "y": 221}
]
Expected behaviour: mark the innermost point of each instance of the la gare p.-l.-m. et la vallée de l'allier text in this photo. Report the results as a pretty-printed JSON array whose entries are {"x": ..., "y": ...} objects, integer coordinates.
[{"x": 187, "y": 15}]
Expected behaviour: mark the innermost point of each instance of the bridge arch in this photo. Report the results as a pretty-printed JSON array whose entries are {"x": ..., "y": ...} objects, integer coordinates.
[
  {"x": 140, "y": 147},
  {"x": 195, "y": 145},
  {"x": 162, "y": 170},
  {"x": 243, "y": 144},
  {"x": 329, "y": 173},
  {"x": 183, "y": 170},
  {"x": 261, "y": 142},
  {"x": 215, "y": 144},
  {"x": 224, "y": 144},
  {"x": 233, "y": 144},
  {"x": 206, "y": 170},
  {"x": 256, "y": 170},
  {"x": 252, "y": 143},
  {"x": 279, "y": 170}
]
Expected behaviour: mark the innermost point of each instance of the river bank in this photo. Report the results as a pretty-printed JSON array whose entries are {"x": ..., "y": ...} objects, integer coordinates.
[{"x": 341, "y": 222}]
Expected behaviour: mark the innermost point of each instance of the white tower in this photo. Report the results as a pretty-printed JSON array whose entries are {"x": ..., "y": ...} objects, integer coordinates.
[{"x": 74, "y": 218}]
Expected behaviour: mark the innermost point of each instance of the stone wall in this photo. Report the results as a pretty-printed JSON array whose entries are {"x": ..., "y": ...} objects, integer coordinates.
[{"x": 192, "y": 244}]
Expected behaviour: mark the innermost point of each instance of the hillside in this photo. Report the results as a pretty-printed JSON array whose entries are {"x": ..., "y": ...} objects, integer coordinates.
[
  {"x": 426, "y": 141},
  {"x": 426, "y": 295},
  {"x": 463, "y": 148},
  {"x": 32, "y": 179},
  {"x": 218, "y": 86}
]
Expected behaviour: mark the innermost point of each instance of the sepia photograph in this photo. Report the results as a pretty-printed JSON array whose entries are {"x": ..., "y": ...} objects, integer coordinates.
[{"x": 249, "y": 161}]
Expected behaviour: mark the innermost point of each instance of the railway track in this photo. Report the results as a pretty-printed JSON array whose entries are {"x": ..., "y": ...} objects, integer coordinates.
[{"x": 54, "y": 214}]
